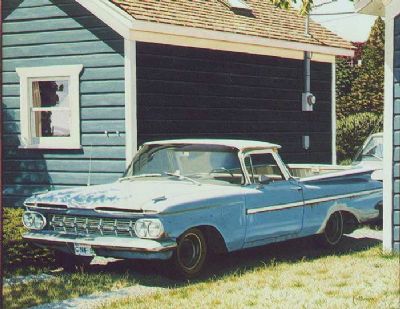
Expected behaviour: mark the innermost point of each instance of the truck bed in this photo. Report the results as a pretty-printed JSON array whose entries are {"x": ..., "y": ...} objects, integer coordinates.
[{"x": 309, "y": 170}]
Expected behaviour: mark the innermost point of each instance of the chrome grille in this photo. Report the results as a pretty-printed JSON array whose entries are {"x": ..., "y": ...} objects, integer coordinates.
[{"x": 80, "y": 225}]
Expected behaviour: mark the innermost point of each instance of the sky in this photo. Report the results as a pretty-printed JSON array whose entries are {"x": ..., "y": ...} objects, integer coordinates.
[{"x": 353, "y": 27}]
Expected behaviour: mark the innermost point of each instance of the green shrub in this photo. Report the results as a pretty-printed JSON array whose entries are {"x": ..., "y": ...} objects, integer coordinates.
[
  {"x": 360, "y": 88},
  {"x": 17, "y": 252},
  {"x": 353, "y": 130}
]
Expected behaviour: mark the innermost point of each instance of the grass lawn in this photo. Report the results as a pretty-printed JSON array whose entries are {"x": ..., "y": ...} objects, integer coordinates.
[
  {"x": 363, "y": 278},
  {"x": 97, "y": 279},
  {"x": 287, "y": 275},
  {"x": 62, "y": 287},
  {"x": 291, "y": 274}
]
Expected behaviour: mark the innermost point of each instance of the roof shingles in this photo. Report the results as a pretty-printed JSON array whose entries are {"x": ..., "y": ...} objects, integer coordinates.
[{"x": 267, "y": 21}]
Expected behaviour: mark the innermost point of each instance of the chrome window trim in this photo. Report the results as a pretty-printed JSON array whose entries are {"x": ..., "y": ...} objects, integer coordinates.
[{"x": 275, "y": 155}]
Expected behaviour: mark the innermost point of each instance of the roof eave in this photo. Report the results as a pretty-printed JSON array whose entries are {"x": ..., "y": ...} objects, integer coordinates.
[
  {"x": 370, "y": 7},
  {"x": 132, "y": 29},
  {"x": 143, "y": 30},
  {"x": 113, "y": 16}
]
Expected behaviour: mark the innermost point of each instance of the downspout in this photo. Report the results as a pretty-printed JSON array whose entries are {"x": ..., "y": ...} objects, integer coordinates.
[
  {"x": 307, "y": 59},
  {"x": 308, "y": 99},
  {"x": 307, "y": 72}
]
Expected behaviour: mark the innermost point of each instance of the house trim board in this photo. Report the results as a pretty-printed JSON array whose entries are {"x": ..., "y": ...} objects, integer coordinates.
[{"x": 131, "y": 135}]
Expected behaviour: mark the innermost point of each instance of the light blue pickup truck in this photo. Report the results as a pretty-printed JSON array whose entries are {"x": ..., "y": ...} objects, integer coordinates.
[{"x": 185, "y": 199}]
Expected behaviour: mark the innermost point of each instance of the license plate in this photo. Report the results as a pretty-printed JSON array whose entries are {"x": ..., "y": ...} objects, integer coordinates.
[{"x": 84, "y": 250}]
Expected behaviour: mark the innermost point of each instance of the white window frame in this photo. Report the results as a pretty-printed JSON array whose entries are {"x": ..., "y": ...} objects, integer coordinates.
[
  {"x": 276, "y": 157},
  {"x": 64, "y": 72}
]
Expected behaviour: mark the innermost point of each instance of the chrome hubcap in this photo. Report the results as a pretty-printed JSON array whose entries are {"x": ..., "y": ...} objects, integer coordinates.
[
  {"x": 334, "y": 228},
  {"x": 189, "y": 251}
]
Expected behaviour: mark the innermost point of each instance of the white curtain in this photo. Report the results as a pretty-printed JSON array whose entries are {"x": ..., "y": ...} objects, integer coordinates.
[{"x": 37, "y": 102}]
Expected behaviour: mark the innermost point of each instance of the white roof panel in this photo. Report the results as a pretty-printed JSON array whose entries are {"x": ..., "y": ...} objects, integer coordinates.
[{"x": 239, "y": 144}]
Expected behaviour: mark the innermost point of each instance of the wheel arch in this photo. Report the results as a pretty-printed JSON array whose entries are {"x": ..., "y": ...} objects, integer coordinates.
[
  {"x": 350, "y": 221},
  {"x": 214, "y": 238},
  {"x": 350, "y": 218}
]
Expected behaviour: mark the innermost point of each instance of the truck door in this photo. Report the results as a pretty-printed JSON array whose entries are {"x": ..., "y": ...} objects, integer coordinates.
[{"x": 274, "y": 208}]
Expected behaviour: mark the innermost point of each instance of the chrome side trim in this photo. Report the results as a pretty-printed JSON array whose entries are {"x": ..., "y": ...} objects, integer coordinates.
[
  {"x": 42, "y": 208},
  {"x": 118, "y": 211},
  {"x": 46, "y": 205},
  {"x": 310, "y": 202},
  {"x": 274, "y": 207},
  {"x": 337, "y": 197}
]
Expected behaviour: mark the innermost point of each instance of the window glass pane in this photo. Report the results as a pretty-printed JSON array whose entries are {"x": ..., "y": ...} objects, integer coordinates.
[
  {"x": 263, "y": 164},
  {"x": 247, "y": 163},
  {"x": 50, "y": 93},
  {"x": 374, "y": 149},
  {"x": 201, "y": 162},
  {"x": 51, "y": 123}
]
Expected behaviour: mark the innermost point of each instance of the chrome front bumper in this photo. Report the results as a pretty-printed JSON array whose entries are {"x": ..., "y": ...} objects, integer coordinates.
[{"x": 118, "y": 247}]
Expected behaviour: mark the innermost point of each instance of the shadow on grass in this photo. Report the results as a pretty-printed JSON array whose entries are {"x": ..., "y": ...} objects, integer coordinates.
[{"x": 152, "y": 273}]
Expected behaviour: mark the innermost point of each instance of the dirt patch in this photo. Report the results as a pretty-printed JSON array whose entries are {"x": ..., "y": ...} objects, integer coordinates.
[{"x": 94, "y": 300}]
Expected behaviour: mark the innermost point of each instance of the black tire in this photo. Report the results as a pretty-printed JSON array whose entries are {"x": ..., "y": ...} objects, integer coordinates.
[
  {"x": 190, "y": 256},
  {"x": 72, "y": 263},
  {"x": 333, "y": 231}
]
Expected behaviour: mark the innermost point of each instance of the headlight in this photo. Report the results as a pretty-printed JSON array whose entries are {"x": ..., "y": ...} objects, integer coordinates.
[
  {"x": 149, "y": 228},
  {"x": 33, "y": 220}
]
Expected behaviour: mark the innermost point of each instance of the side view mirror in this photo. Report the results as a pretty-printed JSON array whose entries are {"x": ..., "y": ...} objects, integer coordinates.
[{"x": 264, "y": 180}]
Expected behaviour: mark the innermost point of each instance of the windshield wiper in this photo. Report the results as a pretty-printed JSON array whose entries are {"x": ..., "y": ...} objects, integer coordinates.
[
  {"x": 139, "y": 176},
  {"x": 182, "y": 177}
]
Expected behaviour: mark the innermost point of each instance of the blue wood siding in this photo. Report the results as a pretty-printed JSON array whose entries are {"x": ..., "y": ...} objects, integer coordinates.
[
  {"x": 61, "y": 32},
  {"x": 396, "y": 136}
]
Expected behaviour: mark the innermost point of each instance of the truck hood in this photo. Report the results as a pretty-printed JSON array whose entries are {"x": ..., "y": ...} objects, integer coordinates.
[{"x": 135, "y": 195}]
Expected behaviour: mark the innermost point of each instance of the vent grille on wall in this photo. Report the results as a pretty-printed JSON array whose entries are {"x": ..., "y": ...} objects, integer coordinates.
[{"x": 238, "y": 6}]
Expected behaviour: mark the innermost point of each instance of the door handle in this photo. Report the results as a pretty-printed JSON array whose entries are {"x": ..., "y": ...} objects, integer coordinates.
[{"x": 296, "y": 188}]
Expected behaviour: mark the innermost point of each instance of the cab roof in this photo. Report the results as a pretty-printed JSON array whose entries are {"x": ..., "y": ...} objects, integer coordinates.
[{"x": 235, "y": 143}]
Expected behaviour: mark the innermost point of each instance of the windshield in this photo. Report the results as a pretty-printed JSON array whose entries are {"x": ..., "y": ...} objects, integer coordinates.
[
  {"x": 199, "y": 162},
  {"x": 373, "y": 151}
]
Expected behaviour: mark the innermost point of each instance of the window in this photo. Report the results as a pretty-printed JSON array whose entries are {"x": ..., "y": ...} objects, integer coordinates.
[
  {"x": 373, "y": 151},
  {"x": 263, "y": 164},
  {"x": 49, "y": 106},
  {"x": 208, "y": 163}
]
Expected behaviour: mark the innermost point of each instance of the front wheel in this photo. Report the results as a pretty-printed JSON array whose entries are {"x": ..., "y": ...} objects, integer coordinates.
[
  {"x": 190, "y": 255},
  {"x": 333, "y": 232}
]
